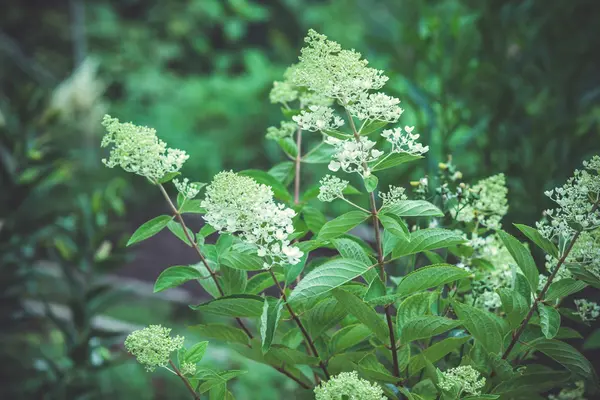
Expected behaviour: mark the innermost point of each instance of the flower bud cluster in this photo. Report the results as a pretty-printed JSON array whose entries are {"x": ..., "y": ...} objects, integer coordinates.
[
  {"x": 394, "y": 195},
  {"x": 465, "y": 377},
  {"x": 286, "y": 129},
  {"x": 348, "y": 385},
  {"x": 489, "y": 204},
  {"x": 283, "y": 92},
  {"x": 352, "y": 155},
  {"x": 331, "y": 188},
  {"x": 152, "y": 346},
  {"x": 376, "y": 107},
  {"x": 318, "y": 118},
  {"x": 587, "y": 310},
  {"x": 239, "y": 205},
  {"x": 404, "y": 142},
  {"x": 137, "y": 149},
  {"x": 188, "y": 189}
]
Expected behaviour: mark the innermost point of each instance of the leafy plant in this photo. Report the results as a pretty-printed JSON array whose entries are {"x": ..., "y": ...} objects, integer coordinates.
[{"x": 439, "y": 302}]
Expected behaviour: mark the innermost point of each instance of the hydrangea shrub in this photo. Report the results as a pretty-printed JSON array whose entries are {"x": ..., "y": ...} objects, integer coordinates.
[{"x": 438, "y": 302}]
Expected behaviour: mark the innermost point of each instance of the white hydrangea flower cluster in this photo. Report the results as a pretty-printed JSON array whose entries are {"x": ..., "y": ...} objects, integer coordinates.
[
  {"x": 188, "y": 189},
  {"x": 353, "y": 156},
  {"x": 349, "y": 386},
  {"x": 286, "y": 129},
  {"x": 465, "y": 377},
  {"x": 318, "y": 118},
  {"x": 309, "y": 98},
  {"x": 587, "y": 310},
  {"x": 283, "y": 92},
  {"x": 239, "y": 205},
  {"x": 376, "y": 107},
  {"x": 394, "y": 195},
  {"x": 331, "y": 188},
  {"x": 404, "y": 142},
  {"x": 330, "y": 71},
  {"x": 137, "y": 149},
  {"x": 576, "y": 393},
  {"x": 490, "y": 206},
  {"x": 575, "y": 202},
  {"x": 153, "y": 345}
]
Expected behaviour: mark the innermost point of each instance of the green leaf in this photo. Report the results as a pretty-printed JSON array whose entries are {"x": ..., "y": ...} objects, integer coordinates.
[
  {"x": 371, "y": 368},
  {"x": 279, "y": 354},
  {"x": 349, "y": 248},
  {"x": 326, "y": 314},
  {"x": 549, "y": 320},
  {"x": 481, "y": 325},
  {"x": 515, "y": 306},
  {"x": 523, "y": 258},
  {"x": 415, "y": 306},
  {"x": 242, "y": 261},
  {"x": 435, "y": 353},
  {"x": 192, "y": 207},
  {"x": 168, "y": 177},
  {"x": 175, "y": 276},
  {"x": 563, "y": 288},
  {"x": 393, "y": 160},
  {"x": 177, "y": 229},
  {"x": 263, "y": 177},
  {"x": 371, "y": 182},
  {"x": 149, "y": 229},
  {"x": 372, "y": 126},
  {"x": 239, "y": 305},
  {"x": 195, "y": 353},
  {"x": 427, "y": 326},
  {"x": 389, "y": 242},
  {"x": 314, "y": 219},
  {"x": 349, "y": 336},
  {"x": 222, "y": 332},
  {"x": 216, "y": 379},
  {"x": 431, "y": 276},
  {"x": 427, "y": 239},
  {"x": 567, "y": 356},
  {"x": 363, "y": 313},
  {"x": 262, "y": 281},
  {"x": 580, "y": 272},
  {"x": 328, "y": 276},
  {"x": 376, "y": 289},
  {"x": 234, "y": 280},
  {"x": 321, "y": 155},
  {"x": 342, "y": 224},
  {"x": 532, "y": 381},
  {"x": 413, "y": 208},
  {"x": 268, "y": 322},
  {"x": 395, "y": 225},
  {"x": 282, "y": 171},
  {"x": 535, "y": 236},
  {"x": 288, "y": 146}
]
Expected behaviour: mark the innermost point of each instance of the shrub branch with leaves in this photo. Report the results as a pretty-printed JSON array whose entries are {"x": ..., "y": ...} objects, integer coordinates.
[{"x": 441, "y": 304}]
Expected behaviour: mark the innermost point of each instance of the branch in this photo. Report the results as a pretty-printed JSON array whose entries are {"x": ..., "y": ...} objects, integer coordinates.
[{"x": 185, "y": 381}]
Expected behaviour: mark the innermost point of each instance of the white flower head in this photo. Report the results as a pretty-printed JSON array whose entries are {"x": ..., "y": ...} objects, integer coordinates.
[
  {"x": 587, "y": 310},
  {"x": 465, "y": 378},
  {"x": 318, "y": 118},
  {"x": 490, "y": 206},
  {"x": 393, "y": 196},
  {"x": 286, "y": 129},
  {"x": 376, "y": 107},
  {"x": 353, "y": 156},
  {"x": 283, "y": 92},
  {"x": 331, "y": 188},
  {"x": 153, "y": 345},
  {"x": 239, "y": 205},
  {"x": 348, "y": 385},
  {"x": 187, "y": 189},
  {"x": 404, "y": 141},
  {"x": 332, "y": 72},
  {"x": 137, "y": 149}
]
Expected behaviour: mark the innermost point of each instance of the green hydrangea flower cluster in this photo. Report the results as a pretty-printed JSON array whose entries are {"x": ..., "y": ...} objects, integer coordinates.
[
  {"x": 465, "y": 378},
  {"x": 152, "y": 346},
  {"x": 348, "y": 385},
  {"x": 490, "y": 204}
]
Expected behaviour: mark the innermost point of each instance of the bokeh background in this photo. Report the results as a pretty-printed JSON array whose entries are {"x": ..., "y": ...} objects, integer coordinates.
[{"x": 502, "y": 86}]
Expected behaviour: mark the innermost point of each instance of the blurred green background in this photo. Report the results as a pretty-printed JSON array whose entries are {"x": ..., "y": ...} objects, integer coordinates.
[{"x": 503, "y": 86}]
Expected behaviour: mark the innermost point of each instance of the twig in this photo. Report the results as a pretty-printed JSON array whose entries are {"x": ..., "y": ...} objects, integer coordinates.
[{"x": 185, "y": 381}]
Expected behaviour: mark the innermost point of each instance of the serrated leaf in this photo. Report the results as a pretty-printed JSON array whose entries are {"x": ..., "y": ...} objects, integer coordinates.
[
  {"x": 363, "y": 313},
  {"x": 425, "y": 327},
  {"x": 314, "y": 219},
  {"x": 168, "y": 177},
  {"x": 328, "y": 276},
  {"x": 239, "y": 305},
  {"x": 580, "y": 272},
  {"x": 563, "y": 288},
  {"x": 427, "y": 239},
  {"x": 349, "y": 248},
  {"x": 342, "y": 224},
  {"x": 149, "y": 229},
  {"x": 324, "y": 315},
  {"x": 532, "y": 381},
  {"x": 175, "y": 276},
  {"x": 376, "y": 289},
  {"x": 262, "y": 281},
  {"x": 523, "y": 258},
  {"x": 549, "y": 320},
  {"x": 349, "y": 336},
  {"x": 535, "y": 236},
  {"x": 217, "y": 380},
  {"x": 192, "y": 206},
  {"x": 481, "y": 325},
  {"x": 234, "y": 280},
  {"x": 393, "y": 160},
  {"x": 395, "y": 225},
  {"x": 431, "y": 276},
  {"x": 389, "y": 242},
  {"x": 371, "y": 368},
  {"x": 269, "y": 321},
  {"x": 282, "y": 171},
  {"x": 222, "y": 332},
  {"x": 514, "y": 305},
  {"x": 434, "y": 353},
  {"x": 177, "y": 229},
  {"x": 195, "y": 353},
  {"x": 263, "y": 177},
  {"x": 320, "y": 155},
  {"x": 412, "y": 208},
  {"x": 241, "y": 261},
  {"x": 567, "y": 356},
  {"x": 279, "y": 354},
  {"x": 288, "y": 146},
  {"x": 414, "y": 306},
  {"x": 372, "y": 126},
  {"x": 371, "y": 182}
]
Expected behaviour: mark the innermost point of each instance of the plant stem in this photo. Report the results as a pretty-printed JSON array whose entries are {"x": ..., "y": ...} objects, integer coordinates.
[
  {"x": 292, "y": 377},
  {"x": 305, "y": 333},
  {"x": 202, "y": 258},
  {"x": 298, "y": 166},
  {"x": 542, "y": 294},
  {"x": 185, "y": 381},
  {"x": 380, "y": 261}
]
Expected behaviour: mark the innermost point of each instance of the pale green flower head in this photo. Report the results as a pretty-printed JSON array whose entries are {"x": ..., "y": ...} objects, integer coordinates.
[
  {"x": 588, "y": 310},
  {"x": 331, "y": 188},
  {"x": 188, "y": 368},
  {"x": 285, "y": 130},
  {"x": 283, "y": 92},
  {"x": 393, "y": 196},
  {"x": 490, "y": 206},
  {"x": 326, "y": 69},
  {"x": 152, "y": 346},
  {"x": 318, "y": 118},
  {"x": 137, "y": 149},
  {"x": 348, "y": 385},
  {"x": 464, "y": 378}
]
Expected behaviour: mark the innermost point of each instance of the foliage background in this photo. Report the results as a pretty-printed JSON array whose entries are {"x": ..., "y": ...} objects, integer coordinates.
[{"x": 503, "y": 86}]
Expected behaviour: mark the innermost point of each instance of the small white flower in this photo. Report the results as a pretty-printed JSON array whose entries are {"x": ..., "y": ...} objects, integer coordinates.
[
  {"x": 318, "y": 118},
  {"x": 188, "y": 189},
  {"x": 331, "y": 187},
  {"x": 376, "y": 107},
  {"x": 283, "y": 92},
  {"x": 490, "y": 206},
  {"x": 465, "y": 378},
  {"x": 352, "y": 155},
  {"x": 393, "y": 196},
  {"x": 587, "y": 310},
  {"x": 404, "y": 142}
]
